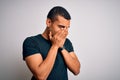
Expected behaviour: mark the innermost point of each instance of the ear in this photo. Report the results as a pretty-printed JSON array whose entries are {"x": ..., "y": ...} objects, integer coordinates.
[{"x": 48, "y": 22}]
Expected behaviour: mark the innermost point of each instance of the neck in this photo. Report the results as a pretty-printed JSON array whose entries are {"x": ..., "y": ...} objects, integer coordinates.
[{"x": 45, "y": 34}]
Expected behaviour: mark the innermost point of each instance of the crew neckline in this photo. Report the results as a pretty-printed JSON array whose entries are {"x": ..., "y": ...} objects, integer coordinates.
[{"x": 43, "y": 38}]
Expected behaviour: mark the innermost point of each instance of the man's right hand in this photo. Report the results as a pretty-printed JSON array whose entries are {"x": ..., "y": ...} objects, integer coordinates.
[{"x": 59, "y": 38}]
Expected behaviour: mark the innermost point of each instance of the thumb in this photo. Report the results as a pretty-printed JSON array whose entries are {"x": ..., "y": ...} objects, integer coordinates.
[{"x": 50, "y": 35}]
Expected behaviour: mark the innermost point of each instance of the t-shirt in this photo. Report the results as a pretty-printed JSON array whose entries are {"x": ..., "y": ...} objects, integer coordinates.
[{"x": 38, "y": 44}]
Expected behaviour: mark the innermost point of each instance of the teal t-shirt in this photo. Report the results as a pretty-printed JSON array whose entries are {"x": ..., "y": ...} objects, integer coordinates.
[{"x": 37, "y": 44}]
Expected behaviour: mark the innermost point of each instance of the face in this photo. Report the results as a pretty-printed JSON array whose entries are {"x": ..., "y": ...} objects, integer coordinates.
[{"x": 60, "y": 24}]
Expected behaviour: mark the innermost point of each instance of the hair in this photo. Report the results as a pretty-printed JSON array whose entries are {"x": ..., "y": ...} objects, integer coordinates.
[{"x": 58, "y": 11}]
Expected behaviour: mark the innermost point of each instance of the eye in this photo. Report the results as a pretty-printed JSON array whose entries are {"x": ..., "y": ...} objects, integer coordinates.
[{"x": 61, "y": 26}]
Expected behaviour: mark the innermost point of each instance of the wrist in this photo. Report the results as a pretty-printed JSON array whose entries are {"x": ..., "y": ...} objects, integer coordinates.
[
  {"x": 55, "y": 46},
  {"x": 61, "y": 48}
]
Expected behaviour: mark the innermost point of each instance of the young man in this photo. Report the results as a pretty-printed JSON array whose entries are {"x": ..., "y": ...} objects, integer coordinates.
[{"x": 48, "y": 55}]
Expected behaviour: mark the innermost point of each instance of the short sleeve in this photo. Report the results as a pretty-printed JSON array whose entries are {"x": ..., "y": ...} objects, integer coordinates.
[
  {"x": 29, "y": 47},
  {"x": 69, "y": 46}
]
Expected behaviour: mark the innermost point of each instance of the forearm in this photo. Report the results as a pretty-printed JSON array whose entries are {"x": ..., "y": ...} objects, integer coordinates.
[
  {"x": 72, "y": 63},
  {"x": 46, "y": 66}
]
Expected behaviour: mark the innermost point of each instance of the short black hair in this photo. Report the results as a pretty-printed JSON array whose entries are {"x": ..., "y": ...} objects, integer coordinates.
[{"x": 58, "y": 11}]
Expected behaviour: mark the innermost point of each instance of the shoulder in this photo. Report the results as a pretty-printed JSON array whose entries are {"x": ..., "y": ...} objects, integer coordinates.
[
  {"x": 27, "y": 41},
  {"x": 68, "y": 41},
  {"x": 29, "y": 47},
  {"x": 30, "y": 39}
]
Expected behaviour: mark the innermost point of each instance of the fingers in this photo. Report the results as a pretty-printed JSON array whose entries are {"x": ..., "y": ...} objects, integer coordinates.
[
  {"x": 50, "y": 35},
  {"x": 58, "y": 38},
  {"x": 61, "y": 34},
  {"x": 64, "y": 34}
]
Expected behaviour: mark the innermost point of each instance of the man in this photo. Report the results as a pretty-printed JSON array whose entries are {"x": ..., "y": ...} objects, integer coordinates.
[{"x": 48, "y": 55}]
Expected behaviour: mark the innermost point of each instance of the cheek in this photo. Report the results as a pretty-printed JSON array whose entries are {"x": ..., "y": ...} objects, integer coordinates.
[{"x": 54, "y": 29}]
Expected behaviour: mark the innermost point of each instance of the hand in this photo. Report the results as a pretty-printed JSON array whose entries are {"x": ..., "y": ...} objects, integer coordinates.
[{"x": 59, "y": 38}]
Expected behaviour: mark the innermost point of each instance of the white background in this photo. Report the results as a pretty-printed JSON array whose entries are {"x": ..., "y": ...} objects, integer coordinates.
[{"x": 94, "y": 31}]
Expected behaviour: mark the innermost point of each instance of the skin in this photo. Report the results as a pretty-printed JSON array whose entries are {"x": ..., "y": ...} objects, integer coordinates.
[{"x": 56, "y": 32}]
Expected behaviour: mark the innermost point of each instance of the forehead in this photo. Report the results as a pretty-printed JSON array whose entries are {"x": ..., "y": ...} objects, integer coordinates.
[{"x": 62, "y": 21}]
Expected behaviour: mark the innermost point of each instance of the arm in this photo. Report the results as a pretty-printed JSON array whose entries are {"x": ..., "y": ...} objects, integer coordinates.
[
  {"x": 71, "y": 61},
  {"x": 40, "y": 68}
]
